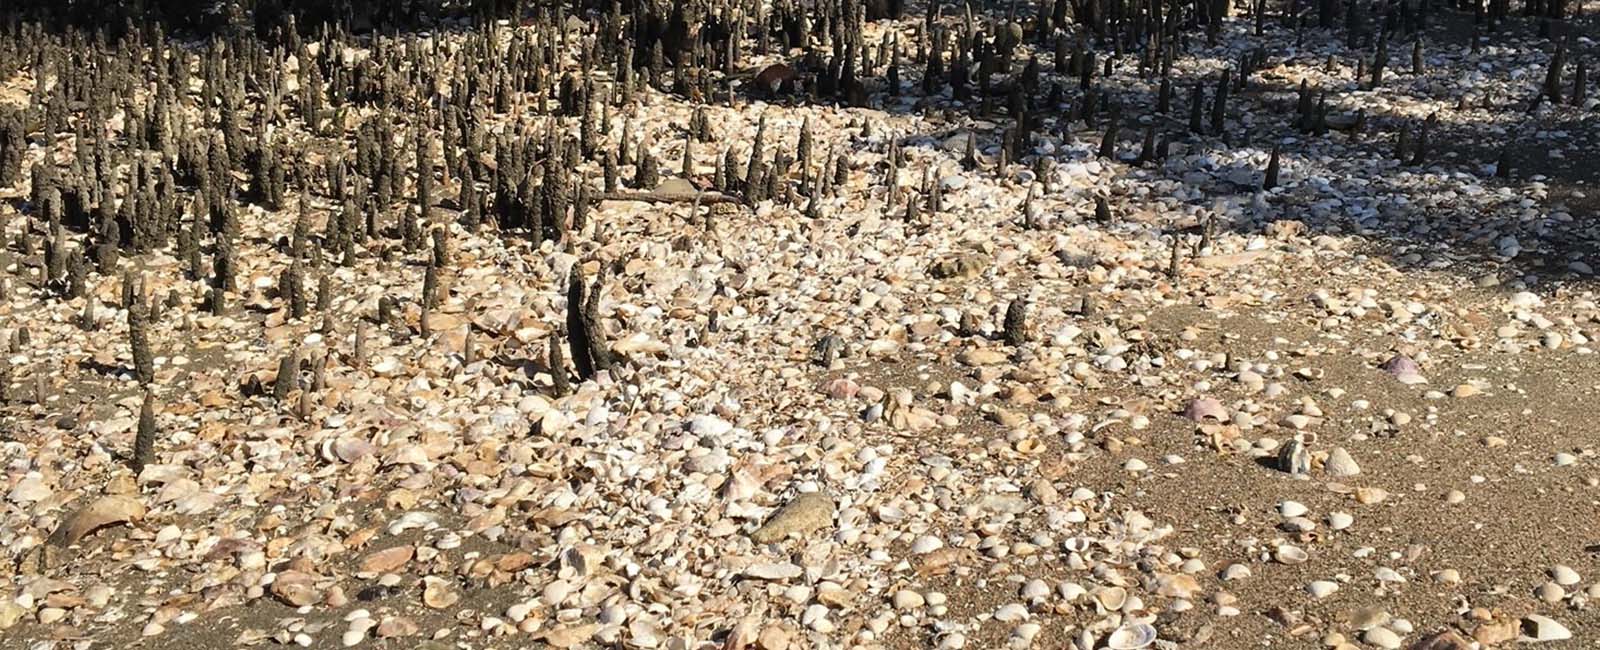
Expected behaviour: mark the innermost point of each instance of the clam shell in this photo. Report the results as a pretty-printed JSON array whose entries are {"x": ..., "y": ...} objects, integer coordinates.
[
  {"x": 1131, "y": 637},
  {"x": 438, "y": 594},
  {"x": 1206, "y": 408},
  {"x": 1404, "y": 369},
  {"x": 1111, "y": 598},
  {"x": 1290, "y": 554}
]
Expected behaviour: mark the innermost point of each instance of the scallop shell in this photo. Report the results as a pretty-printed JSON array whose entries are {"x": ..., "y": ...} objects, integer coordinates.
[{"x": 1131, "y": 637}]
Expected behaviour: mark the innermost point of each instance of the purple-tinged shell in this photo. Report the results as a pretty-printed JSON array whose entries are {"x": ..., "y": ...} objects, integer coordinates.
[
  {"x": 1203, "y": 408},
  {"x": 1404, "y": 369}
]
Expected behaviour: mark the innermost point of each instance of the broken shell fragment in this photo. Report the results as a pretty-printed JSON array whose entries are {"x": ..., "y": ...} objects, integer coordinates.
[{"x": 105, "y": 511}]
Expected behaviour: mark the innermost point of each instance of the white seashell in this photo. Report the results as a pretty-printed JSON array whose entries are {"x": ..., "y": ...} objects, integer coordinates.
[
  {"x": 29, "y": 490},
  {"x": 1544, "y": 628},
  {"x": 1290, "y": 554},
  {"x": 1131, "y": 637},
  {"x": 1564, "y": 575},
  {"x": 1340, "y": 520},
  {"x": 1111, "y": 598},
  {"x": 774, "y": 571},
  {"x": 410, "y": 520},
  {"x": 1011, "y": 613},
  {"x": 708, "y": 425},
  {"x": 740, "y": 486},
  {"x": 1298, "y": 525},
  {"x": 386, "y": 367},
  {"x": 926, "y": 544}
]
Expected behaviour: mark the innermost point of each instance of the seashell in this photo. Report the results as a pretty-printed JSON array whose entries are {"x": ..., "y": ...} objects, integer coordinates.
[
  {"x": 29, "y": 490},
  {"x": 438, "y": 593},
  {"x": 1111, "y": 598},
  {"x": 325, "y": 451},
  {"x": 1404, "y": 369},
  {"x": 1340, "y": 520},
  {"x": 639, "y": 343},
  {"x": 1131, "y": 637},
  {"x": 926, "y": 544},
  {"x": 105, "y": 511},
  {"x": 1206, "y": 408},
  {"x": 708, "y": 425},
  {"x": 569, "y": 637},
  {"x": 1011, "y": 613},
  {"x": 388, "y": 560},
  {"x": 1221, "y": 436},
  {"x": 386, "y": 367},
  {"x": 872, "y": 413},
  {"x": 397, "y": 626},
  {"x": 740, "y": 486},
  {"x": 1288, "y": 508},
  {"x": 1290, "y": 554},
  {"x": 774, "y": 571},
  {"x": 1543, "y": 628},
  {"x": 960, "y": 394},
  {"x": 176, "y": 490},
  {"x": 1371, "y": 495},
  {"x": 583, "y": 559},
  {"x": 842, "y": 388},
  {"x": 1177, "y": 585},
  {"x": 410, "y": 520},
  {"x": 643, "y": 634},
  {"x": 296, "y": 588},
  {"x": 944, "y": 560},
  {"x": 350, "y": 450}
]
